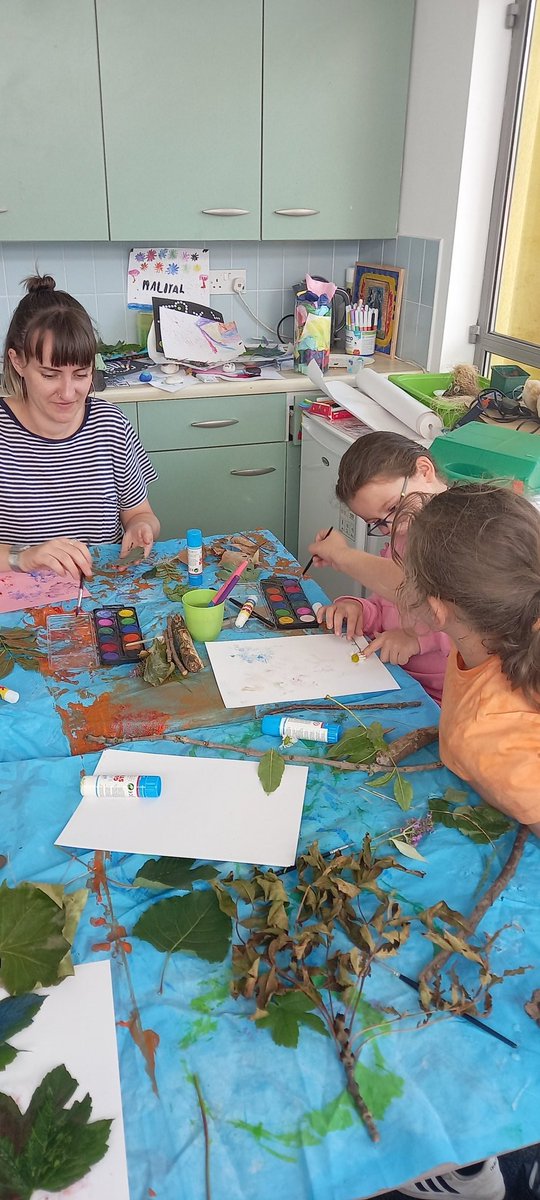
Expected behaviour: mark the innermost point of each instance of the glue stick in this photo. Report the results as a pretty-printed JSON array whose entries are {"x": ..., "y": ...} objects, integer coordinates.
[
  {"x": 308, "y": 731},
  {"x": 116, "y": 787},
  {"x": 9, "y": 695},
  {"x": 194, "y": 557}
]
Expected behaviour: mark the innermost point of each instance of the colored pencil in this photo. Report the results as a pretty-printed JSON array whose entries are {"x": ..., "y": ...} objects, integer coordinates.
[
  {"x": 229, "y": 584},
  {"x": 309, "y": 564}
]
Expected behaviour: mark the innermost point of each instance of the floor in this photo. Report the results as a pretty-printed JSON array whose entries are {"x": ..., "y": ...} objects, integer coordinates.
[{"x": 515, "y": 1168}]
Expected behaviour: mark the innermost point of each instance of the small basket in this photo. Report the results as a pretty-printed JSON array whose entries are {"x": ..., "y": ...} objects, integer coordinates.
[{"x": 422, "y": 387}]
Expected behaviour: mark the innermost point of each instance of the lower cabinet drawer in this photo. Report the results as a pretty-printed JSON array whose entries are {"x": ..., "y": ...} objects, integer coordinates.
[{"x": 223, "y": 490}]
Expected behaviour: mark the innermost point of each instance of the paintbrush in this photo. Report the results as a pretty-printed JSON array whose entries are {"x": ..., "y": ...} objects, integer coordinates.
[
  {"x": 80, "y": 594},
  {"x": 328, "y": 855},
  {"x": 412, "y": 983},
  {"x": 310, "y": 563}
]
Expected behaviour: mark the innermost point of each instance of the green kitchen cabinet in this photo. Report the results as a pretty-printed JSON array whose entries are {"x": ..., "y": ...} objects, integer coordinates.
[
  {"x": 213, "y": 421},
  {"x": 181, "y": 89},
  {"x": 51, "y": 144},
  {"x": 222, "y": 490},
  {"x": 334, "y": 106}
]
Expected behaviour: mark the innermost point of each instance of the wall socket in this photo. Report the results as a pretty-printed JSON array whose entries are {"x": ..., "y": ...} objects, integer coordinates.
[{"x": 222, "y": 281}]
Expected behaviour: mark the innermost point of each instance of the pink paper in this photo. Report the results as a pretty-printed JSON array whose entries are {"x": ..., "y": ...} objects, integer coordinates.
[{"x": 19, "y": 590}]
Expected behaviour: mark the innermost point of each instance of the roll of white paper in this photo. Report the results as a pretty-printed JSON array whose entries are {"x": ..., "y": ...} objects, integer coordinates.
[{"x": 379, "y": 404}]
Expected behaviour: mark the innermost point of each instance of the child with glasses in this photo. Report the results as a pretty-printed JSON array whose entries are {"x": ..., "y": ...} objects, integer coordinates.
[{"x": 375, "y": 473}]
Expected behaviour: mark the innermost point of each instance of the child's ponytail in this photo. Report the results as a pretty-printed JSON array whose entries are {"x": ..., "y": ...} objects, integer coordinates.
[{"x": 478, "y": 547}]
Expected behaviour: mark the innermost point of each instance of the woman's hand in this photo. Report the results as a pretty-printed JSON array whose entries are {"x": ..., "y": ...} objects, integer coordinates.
[
  {"x": 397, "y": 646},
  {"x": 348, "y": 611},
  {"x": 64, "y": 556},
  {"x": 139, "y": 532},
  {"x": 330, "y": 551}
]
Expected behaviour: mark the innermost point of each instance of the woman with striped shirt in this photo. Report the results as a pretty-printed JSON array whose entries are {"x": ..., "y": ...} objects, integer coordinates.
[{"x": 74, "y": 472}]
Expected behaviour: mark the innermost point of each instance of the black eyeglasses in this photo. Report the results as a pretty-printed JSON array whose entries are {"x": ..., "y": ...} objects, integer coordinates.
[{"x": 382, "y": 526}]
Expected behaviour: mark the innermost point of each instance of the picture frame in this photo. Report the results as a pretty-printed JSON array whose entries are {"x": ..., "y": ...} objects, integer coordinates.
[{"x": 382, "y": 288}]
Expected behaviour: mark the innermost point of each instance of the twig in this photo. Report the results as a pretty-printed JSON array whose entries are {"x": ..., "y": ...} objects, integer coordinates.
[
  {"x": 302, "y": 706},
  {"x": 204, "y": 1118},
  {"x": 349, "y": 1062},
  {"x": 479, "y": 911},
  {"x": 408, "y": 744},
  {"x": 334, "y": 763}
]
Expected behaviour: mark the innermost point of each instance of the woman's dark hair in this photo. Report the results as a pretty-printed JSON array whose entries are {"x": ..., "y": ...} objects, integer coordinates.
[
  {"x": 386, "y": 455},
  {"x": 42, "y": 311},
  {"x": 478, "y": 547}
]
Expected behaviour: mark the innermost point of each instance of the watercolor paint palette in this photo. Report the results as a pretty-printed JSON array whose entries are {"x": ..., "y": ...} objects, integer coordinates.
[
  {"x": 118, "y": 634},
  {"x": 288, "y": 603}
]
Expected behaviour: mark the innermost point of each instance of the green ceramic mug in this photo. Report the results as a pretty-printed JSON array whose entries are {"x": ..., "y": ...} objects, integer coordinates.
[{"x": 204, "y": 620}]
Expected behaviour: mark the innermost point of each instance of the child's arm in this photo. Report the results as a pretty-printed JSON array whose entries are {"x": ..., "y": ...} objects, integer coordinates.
[{"x": 380, "y": 575}]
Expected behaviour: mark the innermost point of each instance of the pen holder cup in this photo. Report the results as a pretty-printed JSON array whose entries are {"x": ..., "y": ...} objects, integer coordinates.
[
  {"x": 204, "y": 620},
  {"x": 312, "y": 335},
  {"x": 361, "y": 344}
]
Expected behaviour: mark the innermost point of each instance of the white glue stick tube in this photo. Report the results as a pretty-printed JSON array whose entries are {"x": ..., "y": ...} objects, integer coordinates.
[
  {"x": 245, "y": 611},
  {"x": 117, "y": 787}
]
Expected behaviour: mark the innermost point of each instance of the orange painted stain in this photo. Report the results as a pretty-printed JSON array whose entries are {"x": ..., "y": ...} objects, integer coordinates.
[
  {"x": 86, "y": 726},
  {"x": 151, "y": 1192},
  {"x": 147, "y": 1041},
  {"x": 97, "y": 946},
  {"x": 98, "y": 921}
]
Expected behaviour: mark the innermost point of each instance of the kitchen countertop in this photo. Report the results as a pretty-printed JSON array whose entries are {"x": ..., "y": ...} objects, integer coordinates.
[{"x": 289, "y": 381}]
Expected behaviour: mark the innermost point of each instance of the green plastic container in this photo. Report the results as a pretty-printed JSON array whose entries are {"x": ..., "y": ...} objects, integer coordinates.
[
  {"x": 486, "y": 453},
  {"x": 203, "y": 620},
  {"x": 423, "y": 387}
]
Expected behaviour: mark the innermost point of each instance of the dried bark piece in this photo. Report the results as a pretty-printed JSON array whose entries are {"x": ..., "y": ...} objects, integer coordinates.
[{"x": 183, "y": 643}]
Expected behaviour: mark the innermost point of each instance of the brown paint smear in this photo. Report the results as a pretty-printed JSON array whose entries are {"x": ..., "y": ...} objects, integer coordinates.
[{"x": 147, "y": 1041}]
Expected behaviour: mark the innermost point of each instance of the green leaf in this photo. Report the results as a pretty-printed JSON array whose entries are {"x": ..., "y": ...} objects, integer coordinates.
[
  {"x": 16, "y": 1012},
  {"x": 156, "y": 668},
  {"x": 270, "y": 771},
  {"x": 381, "y": 780},
  {"x": 403, "y": 792},
  {"x": 286, "y": 1013},
  {"x": 72, "y": 904},
  {"x": 455, "y": 796},
  {"x": 176, "y": 873},
  {"x": 406, "y": 849},
  {"x": 135, "y": 555},
  {"x": 51, "y": 1146},
  {"x": 479, "y": 822},
  {"x": 175, "y": 591},
  {"x": 376, "y": 735},
  {"x": 194, "y": 923},
  {"x": 32, "y": 945},
  {"x": 18, "y": 647},
  {"x": 355, "y": 746}
]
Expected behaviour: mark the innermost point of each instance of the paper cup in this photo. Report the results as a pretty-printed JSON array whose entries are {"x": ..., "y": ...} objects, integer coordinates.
[
  {"x": 360, "y": 344},
  {"x": 203, "y": 620}
]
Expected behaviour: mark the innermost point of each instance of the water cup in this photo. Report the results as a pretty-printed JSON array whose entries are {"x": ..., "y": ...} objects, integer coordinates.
[
  {"x": 361, "y": 343},
  {"x": 204, "y": 620}
]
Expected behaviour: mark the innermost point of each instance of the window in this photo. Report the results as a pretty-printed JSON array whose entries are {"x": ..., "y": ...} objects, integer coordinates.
[{"x": 509, "y": 318}]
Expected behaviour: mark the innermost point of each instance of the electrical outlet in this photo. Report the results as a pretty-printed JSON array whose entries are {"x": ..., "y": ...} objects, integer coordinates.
[{"x": 221, "y": 282}]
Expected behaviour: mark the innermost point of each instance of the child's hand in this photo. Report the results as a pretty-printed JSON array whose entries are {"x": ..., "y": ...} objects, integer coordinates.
[
  {"x": 348, "y": 611},
  {"x": 330, "y": 550},
  {"x": 396, "y": 646}
]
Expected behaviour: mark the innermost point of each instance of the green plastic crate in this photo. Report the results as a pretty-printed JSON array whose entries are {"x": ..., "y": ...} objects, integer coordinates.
[
  {"x": 490, "y": 454},
  {"x": 422, "y": 388}
]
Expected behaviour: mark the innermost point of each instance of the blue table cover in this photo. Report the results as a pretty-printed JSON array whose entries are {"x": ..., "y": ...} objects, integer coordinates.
[{"x": 280, "y": 1120}]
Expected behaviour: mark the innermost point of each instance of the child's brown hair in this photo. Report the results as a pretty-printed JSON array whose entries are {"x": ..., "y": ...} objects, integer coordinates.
[
  {"x": 44, "y": 310},
  {"x": 478, "y": 547},
  {"x": 373, "y": 455}
]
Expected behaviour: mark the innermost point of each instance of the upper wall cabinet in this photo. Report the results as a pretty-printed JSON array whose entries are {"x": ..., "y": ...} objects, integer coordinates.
[
  {"x": 336, "y": 76},
  {"x": 52, "y": 176},
  {"x": 181, "y": 83}
]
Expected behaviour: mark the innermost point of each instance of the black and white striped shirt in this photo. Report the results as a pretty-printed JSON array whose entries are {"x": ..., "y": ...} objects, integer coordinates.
[{"x": 71, "y": 487}]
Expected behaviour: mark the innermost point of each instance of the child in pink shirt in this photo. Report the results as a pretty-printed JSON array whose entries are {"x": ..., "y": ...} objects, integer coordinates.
[{"x": 374, "y": 474}]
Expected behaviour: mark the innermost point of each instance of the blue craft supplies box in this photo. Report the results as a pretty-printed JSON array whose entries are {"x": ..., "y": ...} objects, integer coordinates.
[{"x": 486, "y": 453}]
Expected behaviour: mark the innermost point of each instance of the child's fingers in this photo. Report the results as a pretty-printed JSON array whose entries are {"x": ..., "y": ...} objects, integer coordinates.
[
  {"x": 374, "y": 645},
  {"x": 354, "y": 626}
]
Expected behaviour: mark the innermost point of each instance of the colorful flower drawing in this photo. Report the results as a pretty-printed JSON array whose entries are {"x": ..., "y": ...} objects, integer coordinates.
[
  {"x": 140, "y": 257},
  {"x": 194, "y": 257},
  {"x": 144, "y": 266},
  {"x": 163, "y": 252},
  {"x": 173, "y": 253},
  {"x": 172, "y": 269},
  {"x": 158, "y": 266},
  {"x": 151, "y": 255},
  {"x": 186, "y": 256}
]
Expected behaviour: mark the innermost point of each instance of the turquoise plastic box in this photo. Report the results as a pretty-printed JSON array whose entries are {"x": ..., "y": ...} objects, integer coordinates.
[{"x": 480, "y": 452}]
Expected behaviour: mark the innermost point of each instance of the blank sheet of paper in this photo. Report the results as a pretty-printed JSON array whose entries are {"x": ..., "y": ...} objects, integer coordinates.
[
  {"x": 209, "y": 808},
  {"x": 275, "y": 670},
  {"x": 75, "y": 1026}
]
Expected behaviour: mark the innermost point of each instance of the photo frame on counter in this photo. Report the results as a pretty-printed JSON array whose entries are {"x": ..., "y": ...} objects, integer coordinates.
[{"x": 381, "y": 288}]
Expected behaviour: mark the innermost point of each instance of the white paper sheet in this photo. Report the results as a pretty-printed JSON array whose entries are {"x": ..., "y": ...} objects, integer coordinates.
[
  {"x": 76, "y": 1027},
  {"x": 380, "y": 404},
  {"x": 274, "y": 670},
  {"x": 209, "y": 808}
]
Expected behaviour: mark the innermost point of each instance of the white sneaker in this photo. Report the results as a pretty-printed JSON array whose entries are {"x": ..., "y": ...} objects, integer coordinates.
[{"x": 487, "y": 1184}]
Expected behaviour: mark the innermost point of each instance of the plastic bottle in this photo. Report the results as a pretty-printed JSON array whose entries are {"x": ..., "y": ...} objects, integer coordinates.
[
  {"x": 116, "y": 787},
  {"x": 194, "y": 557},
  {"x": 295, "y": 727}
]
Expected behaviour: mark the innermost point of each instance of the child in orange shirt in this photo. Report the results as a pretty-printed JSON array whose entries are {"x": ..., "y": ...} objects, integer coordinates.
[{"x": 472, "y": 569}]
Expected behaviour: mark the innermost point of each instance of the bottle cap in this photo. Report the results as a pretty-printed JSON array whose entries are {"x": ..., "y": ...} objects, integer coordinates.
[
  {"x": 149, "y": 787},
  {"x": 271, "y": 725},
  {"x": 145, "y": 377},
  {"x": 194, "y": 537}
]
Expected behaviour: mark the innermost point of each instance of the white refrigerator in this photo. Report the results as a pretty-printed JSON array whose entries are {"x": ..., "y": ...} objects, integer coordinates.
[{"x": 323, "y": 445}]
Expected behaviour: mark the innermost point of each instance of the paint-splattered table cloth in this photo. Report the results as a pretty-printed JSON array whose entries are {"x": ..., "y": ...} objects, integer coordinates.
[{"x": 279, "y": 1119}]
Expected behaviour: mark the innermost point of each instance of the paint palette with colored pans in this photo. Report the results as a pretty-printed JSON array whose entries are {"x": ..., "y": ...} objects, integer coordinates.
[
  {"x": 288, "y": 603},
  {"x": 118, "y": 635}
]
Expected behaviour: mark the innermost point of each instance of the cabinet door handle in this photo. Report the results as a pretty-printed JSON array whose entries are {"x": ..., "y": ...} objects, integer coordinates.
[
  {"x": 4, "y": 210},
  {"x": 296, "y": 212},
  {"x": 255, "y": 471},
  {"x": 225, "y": 212},
  {"x": 213, "y": 424}
]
